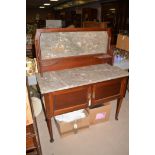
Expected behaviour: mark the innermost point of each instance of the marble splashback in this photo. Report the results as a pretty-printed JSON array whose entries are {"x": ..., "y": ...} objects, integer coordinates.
[
  {"x": 65, "y": 44},
  {"x": 69, "y": 78}
]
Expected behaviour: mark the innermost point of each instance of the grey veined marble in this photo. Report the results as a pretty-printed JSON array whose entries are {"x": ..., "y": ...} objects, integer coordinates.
[
  {"x": 69, "y": 78},
  {"x": 65, "y": 44}
]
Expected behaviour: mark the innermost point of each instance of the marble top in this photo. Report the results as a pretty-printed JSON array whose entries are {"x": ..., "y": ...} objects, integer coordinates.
[
  {"x": 69, "y": 78},
  {"x": 66, "y": 44}
]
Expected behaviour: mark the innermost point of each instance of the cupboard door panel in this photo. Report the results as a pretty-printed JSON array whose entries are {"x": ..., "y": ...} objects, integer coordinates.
[
  {"x": 70, "y": 99},
  {"x": 106, "y": 89}
]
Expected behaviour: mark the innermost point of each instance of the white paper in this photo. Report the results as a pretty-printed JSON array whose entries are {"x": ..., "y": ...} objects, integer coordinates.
[{"x": 71, "y": 116}]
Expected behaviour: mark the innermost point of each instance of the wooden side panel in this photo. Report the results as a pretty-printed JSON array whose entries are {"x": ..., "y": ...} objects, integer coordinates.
[
  {"x": 124, "y": 86},
  {"x": 31, "y": 143},
  {"x": 30, "y": 129}
]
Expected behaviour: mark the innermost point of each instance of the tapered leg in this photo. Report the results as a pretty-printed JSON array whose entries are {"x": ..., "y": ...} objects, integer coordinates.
[
  {"x": 49, "y": 125},
  {"x": 43, "y": 108},
  {"x": 42, "y": 103},
  {"x": 119, "y": 103}
]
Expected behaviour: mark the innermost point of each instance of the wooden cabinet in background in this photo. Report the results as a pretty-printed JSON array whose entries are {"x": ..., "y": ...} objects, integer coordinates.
[
  {"x": 32, "y": 136},
  {"x": 89, "y": 14},
  {"x": 95, "y": 24}
]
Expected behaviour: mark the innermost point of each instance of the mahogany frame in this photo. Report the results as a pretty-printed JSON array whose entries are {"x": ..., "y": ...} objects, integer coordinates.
[{"x": 51, "y": 108}]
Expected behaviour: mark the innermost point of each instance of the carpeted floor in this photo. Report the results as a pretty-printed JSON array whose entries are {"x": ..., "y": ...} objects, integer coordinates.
[{"x": 110, "y": 138}]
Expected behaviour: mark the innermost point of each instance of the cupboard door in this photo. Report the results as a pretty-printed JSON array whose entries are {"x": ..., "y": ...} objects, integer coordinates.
[
  {"x": 106, "y": 91},
  {"x": 71, "y": 99}
]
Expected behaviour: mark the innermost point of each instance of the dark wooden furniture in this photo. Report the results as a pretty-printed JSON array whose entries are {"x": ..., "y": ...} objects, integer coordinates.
[
  {"x": 32, "y": 136},
  {"x": 87, "y": 94},
  {"x": 116, "y": 13},
  {"x": 89, "y": 14},
  {"x": 94, "y": 24},
  {"x": 60, "y": 102}
]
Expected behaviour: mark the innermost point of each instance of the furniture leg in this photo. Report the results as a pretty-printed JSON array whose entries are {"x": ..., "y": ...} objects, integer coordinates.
[
  {"x": 42, "y": 103},
  {"x": 49, "y": 125},
  {"x": 119, "y": 103},
  {"x": 43, "y": 108},
  {"x": 128, "y": 85}
]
